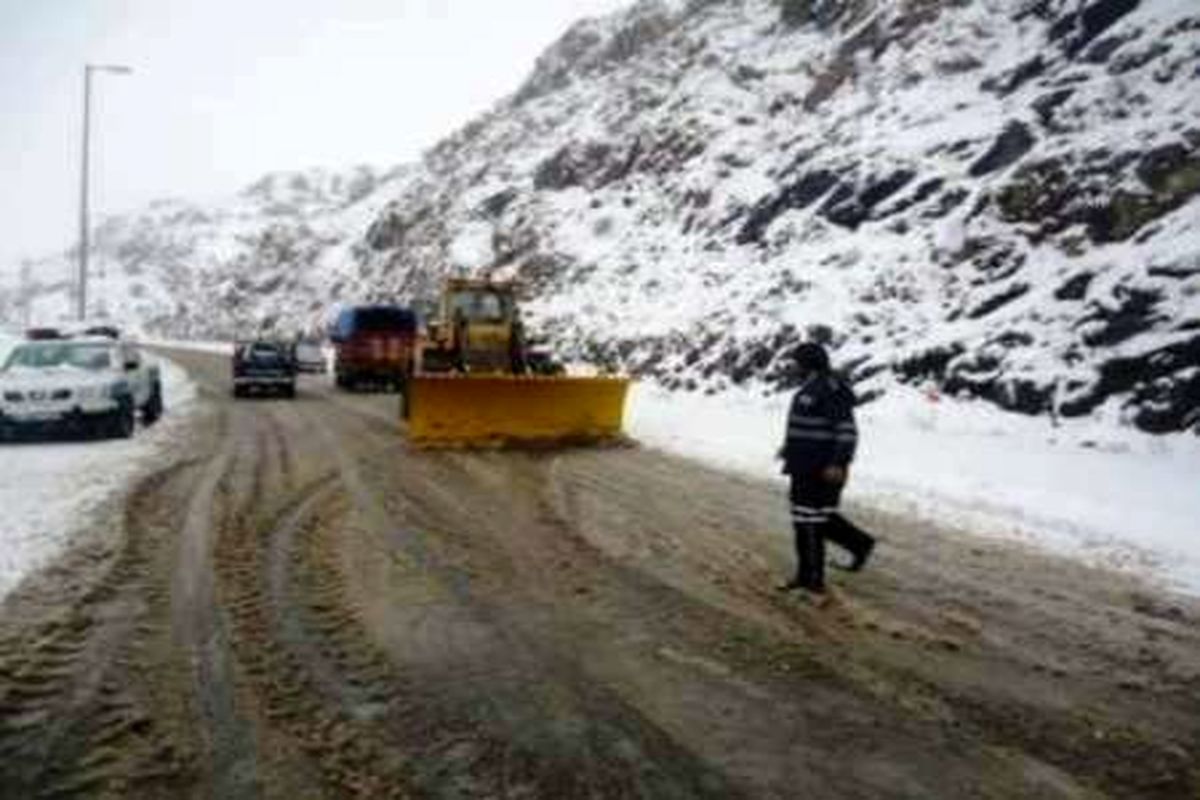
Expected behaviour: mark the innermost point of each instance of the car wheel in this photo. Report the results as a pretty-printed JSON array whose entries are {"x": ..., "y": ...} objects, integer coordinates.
[
  {"x": 154, "y": 406},
  {"x": 123, "y": 423}
]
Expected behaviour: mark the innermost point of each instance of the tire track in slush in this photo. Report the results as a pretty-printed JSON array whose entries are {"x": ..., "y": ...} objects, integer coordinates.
[
  {"x": 293, "y": 630},
  {"x": 519, "y": 718},
  {"x": 681, "y": 701},
  {"x": 202, "y": 630}
]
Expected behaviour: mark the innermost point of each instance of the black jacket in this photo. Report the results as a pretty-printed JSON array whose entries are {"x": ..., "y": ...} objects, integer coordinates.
[{"x": 820, "y": 427}]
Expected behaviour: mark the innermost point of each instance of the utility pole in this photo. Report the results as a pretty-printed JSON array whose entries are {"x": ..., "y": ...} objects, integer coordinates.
[
  {"x": 26, "y": 295},
  {"x": 88, "y": 69}
]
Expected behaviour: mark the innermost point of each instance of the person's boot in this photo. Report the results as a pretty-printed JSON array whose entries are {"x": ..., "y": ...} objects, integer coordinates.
[
  {"x": 810, "y": 559},
  {"x": 860, "y": 558},
  {"x": 849, "y": 536}
]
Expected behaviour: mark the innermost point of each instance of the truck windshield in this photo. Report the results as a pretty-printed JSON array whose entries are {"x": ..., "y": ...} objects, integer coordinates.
[
  {"x": 61, "y": 354},
  {"x": 479, "y": 306},
  {"x": 377, "y": 320}
]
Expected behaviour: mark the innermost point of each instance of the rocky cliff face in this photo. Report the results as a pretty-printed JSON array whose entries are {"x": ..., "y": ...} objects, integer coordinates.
[{"x": 993, "y": 198}]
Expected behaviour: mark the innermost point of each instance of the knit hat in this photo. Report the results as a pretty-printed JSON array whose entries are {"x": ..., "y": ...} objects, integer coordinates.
[{"x": 811, "y": 356}]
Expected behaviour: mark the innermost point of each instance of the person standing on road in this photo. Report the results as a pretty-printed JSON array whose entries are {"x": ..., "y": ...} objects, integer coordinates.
[{"x": 817, "y": 450}]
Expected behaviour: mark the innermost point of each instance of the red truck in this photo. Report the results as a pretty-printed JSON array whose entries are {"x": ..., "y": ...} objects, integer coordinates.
[{"x": 374, "y": 346}]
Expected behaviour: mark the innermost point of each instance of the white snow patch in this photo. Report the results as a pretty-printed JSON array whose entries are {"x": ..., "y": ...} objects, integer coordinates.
[
  {"x": 218, "y": 348},
  {"x": 1117, "y": 499}
]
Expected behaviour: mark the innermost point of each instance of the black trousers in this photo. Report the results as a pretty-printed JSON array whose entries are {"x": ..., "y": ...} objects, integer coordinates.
[{"x": 815, "y": 519}]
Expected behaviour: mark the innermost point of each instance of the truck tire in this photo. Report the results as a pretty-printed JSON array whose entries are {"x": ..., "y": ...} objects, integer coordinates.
[{"x": 402, "y": 387}]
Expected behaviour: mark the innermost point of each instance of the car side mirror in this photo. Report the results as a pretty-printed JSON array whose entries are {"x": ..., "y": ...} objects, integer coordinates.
[{"x": 131, "y": 365}]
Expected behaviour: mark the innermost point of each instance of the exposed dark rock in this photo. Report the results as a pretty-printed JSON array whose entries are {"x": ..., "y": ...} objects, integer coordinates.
[
  {"x": 1078, "y": 29},
  {"x": 1024, "y": 396},
  {"x": 660, "y": 153},
  {"x": 949, "y": 200},
  {"x": 1037, "y": 193},
  {"x": 745, "y": 73},
  {"x": 879, "y": 190},
  {"x": 1134, "y": 312},
  {"x": 794, "y": 13},
  {"x": 798, "y": 195},
  {"x": 584, "y": 50},
  {"x": 1075, "y": 288},
  {"x": 1123, "y": 215},
  {"x": 927, "y": 190},
  {"x": 1047, "y": 104},
  {"x": 1163, "y": 384},
  {"x": 843, "y": 208},
  {"x": 999, "y": 300},
  {"x": 825, "y": 13},
  {"x": 637, "y": 35},
  {"x": 930, "y": 364},
  {"x": 1102, "y": 50},
  {"x": 1015, "y": 78},
  {"x": 571, "y": 166},
  {"x": 388, "y": 232},
  {"x": 959, "y": 65},
  {"x": 1128, "y": 62},
  {"x": 496, "y": 205},
  {"x": 1013, "y": 339},
  {"x": 1171, "y": 169},
  {"x": 994, "y": 259},
  {"x": 1177, "y": 272},
  {"x": 1013, "y": 142}
]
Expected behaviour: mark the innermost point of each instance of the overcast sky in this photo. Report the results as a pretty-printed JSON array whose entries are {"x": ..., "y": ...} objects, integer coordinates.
[{"x": 226, "y": 90}]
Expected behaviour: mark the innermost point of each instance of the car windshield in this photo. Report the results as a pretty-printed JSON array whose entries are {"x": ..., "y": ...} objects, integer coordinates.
[
  {"x": 262, "y": 353},
  {"x": 94, "y": 357}
]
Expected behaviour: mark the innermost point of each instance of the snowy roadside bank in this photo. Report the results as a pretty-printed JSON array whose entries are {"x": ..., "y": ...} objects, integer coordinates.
[
  {"x": 1111, "y": 497},
  {"x": 48, "y": 489}
]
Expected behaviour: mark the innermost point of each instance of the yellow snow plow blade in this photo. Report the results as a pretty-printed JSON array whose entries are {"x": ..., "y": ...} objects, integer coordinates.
[{"x": 501, "y": 410}]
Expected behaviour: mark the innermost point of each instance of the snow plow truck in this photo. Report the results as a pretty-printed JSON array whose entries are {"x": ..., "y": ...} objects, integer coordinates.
[{"x": 477, "y": 382}]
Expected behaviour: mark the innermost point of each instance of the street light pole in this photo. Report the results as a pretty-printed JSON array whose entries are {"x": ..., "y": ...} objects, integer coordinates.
[{"x": 88, "y": 69}]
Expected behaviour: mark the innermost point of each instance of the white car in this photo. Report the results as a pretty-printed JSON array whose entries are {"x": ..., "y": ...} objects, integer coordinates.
[
  {"x": 77, "y": 386},
  {"x": 309, "y": 357}
]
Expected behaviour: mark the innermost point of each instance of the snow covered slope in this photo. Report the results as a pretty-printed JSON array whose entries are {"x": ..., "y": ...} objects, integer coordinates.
[
  {"x": 269, "y": 256},
  {"x": 994, "y": 198}
]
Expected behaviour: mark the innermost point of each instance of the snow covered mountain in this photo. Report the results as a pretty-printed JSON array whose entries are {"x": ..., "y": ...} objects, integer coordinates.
[
  {"x": 216, "y": 269},
  {"x": 995, "y": 199}
]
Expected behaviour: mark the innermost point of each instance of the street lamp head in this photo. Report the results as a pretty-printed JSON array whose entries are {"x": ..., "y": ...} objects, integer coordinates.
[{"x": 118, "y": 69}]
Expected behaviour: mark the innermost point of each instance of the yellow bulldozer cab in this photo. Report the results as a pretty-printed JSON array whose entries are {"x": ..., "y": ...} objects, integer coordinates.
[{"x": 497, "y": 410}]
